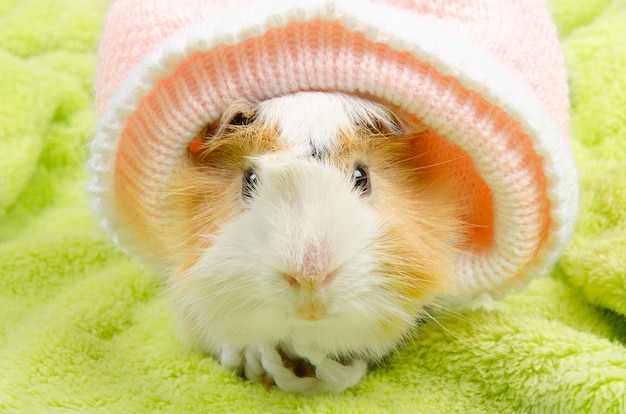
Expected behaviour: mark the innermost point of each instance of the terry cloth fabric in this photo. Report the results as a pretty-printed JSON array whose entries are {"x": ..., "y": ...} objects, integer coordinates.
[
  {"x": 487, "y": 77},
  {"x": 84, "y": 328}
]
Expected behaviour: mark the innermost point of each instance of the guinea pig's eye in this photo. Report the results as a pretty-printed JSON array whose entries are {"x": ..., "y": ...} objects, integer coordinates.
[
  {"x": 362, "y": 180},
  {"x": 250, "y": 181}
]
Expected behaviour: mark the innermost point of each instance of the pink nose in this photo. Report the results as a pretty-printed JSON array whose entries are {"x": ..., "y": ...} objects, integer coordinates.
[{"x": 311, "y": 269}]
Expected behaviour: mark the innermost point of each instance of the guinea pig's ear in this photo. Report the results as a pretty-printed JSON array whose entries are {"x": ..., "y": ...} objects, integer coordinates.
[{"x": 239, "y": 113}]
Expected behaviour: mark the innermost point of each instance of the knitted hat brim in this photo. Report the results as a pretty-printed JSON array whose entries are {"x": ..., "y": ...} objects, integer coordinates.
[{"x": 524, "y": 179}]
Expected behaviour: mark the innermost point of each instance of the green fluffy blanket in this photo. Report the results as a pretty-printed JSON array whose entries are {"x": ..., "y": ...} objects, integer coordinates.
[{"x": 83, "y": 327}]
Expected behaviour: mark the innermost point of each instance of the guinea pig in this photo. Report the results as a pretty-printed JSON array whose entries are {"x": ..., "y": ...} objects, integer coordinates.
[{"x": 310, "y": 240}]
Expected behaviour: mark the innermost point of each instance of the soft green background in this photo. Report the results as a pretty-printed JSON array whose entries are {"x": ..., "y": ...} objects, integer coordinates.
[{"x": 84, "y": 328}]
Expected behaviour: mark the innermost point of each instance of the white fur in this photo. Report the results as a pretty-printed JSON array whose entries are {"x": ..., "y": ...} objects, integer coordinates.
[
  {"x": 235, "y": 302},
  {"x": 314, "y": 119}
]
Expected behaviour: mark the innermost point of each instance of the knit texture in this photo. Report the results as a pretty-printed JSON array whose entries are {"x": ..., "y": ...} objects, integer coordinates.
[
  {"x": 498, "y": 114},
  {"x": 83, "y": 328}
]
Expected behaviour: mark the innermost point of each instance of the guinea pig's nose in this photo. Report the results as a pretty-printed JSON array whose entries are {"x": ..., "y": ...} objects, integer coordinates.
[{"x": 311, "y": 267}]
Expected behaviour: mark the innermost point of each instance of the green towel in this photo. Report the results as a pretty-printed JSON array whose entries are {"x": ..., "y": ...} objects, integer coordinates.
[{"x": 85, "y": 328}]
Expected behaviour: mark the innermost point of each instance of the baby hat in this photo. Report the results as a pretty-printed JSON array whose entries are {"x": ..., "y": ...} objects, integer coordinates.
[{"x": 487, "y": 77}]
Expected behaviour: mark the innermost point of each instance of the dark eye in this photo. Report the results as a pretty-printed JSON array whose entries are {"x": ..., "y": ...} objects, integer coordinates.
[
  {"x": 362, "y": 180},
  {"x": 250, "y": 181}
]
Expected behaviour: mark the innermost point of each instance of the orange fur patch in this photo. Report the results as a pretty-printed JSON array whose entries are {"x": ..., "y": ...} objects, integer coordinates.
[
  {"x": 421, "y": 214},
  {"x": 205, "y": 193}
]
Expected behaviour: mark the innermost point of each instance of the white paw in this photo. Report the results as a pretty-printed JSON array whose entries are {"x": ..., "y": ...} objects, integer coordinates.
[
  {"x": 335, "y": 375},
  {"x": 259, "y": 361}
]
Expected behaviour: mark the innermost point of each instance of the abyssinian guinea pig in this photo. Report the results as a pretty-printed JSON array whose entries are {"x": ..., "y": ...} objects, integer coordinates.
[{"x": 311, "y": 241}]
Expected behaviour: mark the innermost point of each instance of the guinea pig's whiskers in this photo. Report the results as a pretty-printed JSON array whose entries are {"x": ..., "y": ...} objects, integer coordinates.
[
  {"x": 431, "y": 166},
  {"x": 448, "y": 312},
  {"x": 435, "y": 320},
  {"x": 412, "y": 274},
  {"x": 415, "y": 157}
]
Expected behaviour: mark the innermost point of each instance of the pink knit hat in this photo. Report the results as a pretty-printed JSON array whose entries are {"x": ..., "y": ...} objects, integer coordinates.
[{"x": 487, "y": 77}]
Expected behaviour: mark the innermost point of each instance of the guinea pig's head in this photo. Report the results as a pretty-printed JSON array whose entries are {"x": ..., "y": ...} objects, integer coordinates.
[{"x": 309, "y": 216}]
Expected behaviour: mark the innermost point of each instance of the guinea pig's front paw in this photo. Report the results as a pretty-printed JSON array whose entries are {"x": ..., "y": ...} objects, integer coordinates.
[{"x": 305, "y": 374}]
